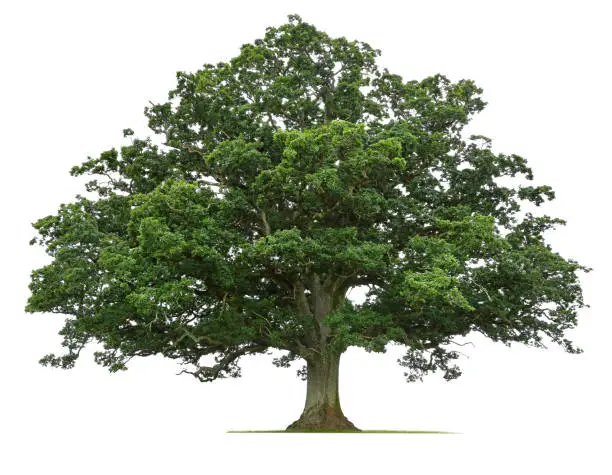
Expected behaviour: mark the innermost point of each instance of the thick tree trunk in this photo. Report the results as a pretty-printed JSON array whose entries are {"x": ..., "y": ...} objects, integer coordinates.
[{"x": 322, "y": 409}]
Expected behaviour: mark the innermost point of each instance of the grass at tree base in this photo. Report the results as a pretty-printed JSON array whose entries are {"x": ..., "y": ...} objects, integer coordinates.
[{"x": 339, "y": 431}]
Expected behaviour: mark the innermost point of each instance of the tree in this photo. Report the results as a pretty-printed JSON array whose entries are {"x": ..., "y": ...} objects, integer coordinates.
[{"x": 284, "y": 178}]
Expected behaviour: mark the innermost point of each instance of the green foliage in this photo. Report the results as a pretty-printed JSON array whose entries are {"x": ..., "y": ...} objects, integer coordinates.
[{"x": 288, "y": 176}]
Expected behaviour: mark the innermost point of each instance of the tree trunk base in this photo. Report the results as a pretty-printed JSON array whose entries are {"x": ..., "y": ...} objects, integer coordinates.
[{"x": 322, "y": 418}]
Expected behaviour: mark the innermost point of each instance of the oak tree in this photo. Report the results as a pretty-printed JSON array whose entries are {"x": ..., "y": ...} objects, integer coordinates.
[{"x": 281, "y": 180}]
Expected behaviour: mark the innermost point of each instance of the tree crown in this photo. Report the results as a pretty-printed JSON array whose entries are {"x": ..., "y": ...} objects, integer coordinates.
[{"x": 287, "y": 176}]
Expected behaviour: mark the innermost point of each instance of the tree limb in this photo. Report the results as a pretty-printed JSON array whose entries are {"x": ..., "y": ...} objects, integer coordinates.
[
  {"x": 197, "y": 339},
  {"x": 264, "y": 220},
  {"x": 210, "y": 373}
]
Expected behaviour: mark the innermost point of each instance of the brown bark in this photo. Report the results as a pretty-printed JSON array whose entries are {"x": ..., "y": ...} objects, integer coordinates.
[{"x": 322, "y": 410}]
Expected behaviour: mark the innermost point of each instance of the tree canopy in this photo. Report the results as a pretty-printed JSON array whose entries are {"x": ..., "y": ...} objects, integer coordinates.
[{"x": 281, "y": 180}]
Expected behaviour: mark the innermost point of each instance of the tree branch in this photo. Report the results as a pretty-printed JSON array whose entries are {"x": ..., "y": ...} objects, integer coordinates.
[
  {"x": 272, "y": 121},
  {"x": 205, "y": 182},
  {"x": 210, "y": 373},
  {"x": 197, "y": 339},
  {"x": 189, "y": 149},
  {"x": 264, "y": 220}
]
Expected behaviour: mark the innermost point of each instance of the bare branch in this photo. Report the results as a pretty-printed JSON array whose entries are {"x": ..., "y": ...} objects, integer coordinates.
[{"x": 463, "y": 344}]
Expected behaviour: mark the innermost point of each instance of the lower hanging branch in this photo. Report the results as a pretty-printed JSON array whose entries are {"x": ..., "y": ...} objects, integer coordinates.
[{"x": 224, "y": 365}]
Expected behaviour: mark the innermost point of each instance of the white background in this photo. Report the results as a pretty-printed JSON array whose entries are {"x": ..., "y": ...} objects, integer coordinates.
[{"x": 74, "y": 74}]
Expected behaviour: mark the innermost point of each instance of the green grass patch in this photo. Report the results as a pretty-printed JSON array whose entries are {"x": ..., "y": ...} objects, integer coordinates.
[{"x": 339, "y": 431}]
